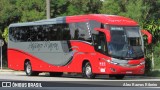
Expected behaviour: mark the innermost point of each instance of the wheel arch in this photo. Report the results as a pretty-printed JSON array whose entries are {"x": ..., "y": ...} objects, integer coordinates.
[
  {"x": 92, "y": 75},
  {"x": 26, "y": 60},
  {"x": 83, "y": 64}
]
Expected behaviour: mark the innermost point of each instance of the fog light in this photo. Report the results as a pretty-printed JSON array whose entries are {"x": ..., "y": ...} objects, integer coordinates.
[{"x": 112, "y": 69}]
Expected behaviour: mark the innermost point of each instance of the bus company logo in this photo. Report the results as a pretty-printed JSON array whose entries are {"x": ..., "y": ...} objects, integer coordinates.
[
  {"x": 47, "y": 44},
  {"x": 6, "y": 84}
]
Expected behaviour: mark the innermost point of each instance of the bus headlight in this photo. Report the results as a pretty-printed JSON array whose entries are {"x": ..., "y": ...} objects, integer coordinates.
[{"x": 109, "y": 61}]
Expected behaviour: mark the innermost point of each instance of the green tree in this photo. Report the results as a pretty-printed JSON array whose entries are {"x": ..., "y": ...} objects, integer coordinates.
[
  {"x": 31, "y": 10},
  {"x": 5, "y": 34},
  {"x": 58, "y": 7},
  {"x": 8, "y": 13},
  {"x": 20, "y": 11},
  {"x": 13, "y": 11},
  {"x": 112, "y": 7},
  {"x": 74, "y": 7},
  {"x": 135, "y": 9}
]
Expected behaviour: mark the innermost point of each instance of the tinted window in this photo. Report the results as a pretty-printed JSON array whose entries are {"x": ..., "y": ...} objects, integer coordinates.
[
  {"x": 40, "y": 33},
  {"x": 80, "y": 31},
  {"x": 94, "y": 24}
]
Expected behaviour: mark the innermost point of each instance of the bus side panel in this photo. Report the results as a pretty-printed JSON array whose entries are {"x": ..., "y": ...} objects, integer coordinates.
[
  {"x": 15, "y": 60},
  {"x": 81, "y": 51},
  {"x": 75, "y": 65}
]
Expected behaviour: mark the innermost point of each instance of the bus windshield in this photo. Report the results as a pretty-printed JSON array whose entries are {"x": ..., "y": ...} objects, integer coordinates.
[{"x": 125, "y": 42}]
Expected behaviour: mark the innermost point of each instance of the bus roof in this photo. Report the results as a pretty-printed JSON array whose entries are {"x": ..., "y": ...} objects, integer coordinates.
[
  {"x": 103, "y": 18},
  {"x": 40, "y": 22}
]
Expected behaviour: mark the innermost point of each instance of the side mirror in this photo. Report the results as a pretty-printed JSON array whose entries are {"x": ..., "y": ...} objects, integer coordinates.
[
  {"x": 149, "y": 36},
  {"x": 107, "y": 33}
]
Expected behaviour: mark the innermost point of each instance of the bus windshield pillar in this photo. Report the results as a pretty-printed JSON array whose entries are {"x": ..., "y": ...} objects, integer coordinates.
[{"x": 106, "y": 32}]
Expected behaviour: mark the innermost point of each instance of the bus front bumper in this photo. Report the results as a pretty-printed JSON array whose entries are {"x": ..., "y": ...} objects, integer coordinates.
[{"x": 118, "y": 69}]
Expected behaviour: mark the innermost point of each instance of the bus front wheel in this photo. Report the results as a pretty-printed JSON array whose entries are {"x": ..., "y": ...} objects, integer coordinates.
[
  {"x": 87, "y": 71},
  {"x": 28, "y": 69}
]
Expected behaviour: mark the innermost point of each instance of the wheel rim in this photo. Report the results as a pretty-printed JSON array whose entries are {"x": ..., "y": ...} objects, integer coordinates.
[
  {"x": 28, "y": 68},
  {"x": 88, "y": 70}
]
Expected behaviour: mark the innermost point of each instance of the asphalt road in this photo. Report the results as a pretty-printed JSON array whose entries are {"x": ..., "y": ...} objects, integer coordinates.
[
  {"x": 78, "y": 81},
  {"x": 20, "y": 75}
]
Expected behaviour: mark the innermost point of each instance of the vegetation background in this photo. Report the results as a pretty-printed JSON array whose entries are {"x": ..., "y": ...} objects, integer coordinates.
[{"x": 145, "y": 12}]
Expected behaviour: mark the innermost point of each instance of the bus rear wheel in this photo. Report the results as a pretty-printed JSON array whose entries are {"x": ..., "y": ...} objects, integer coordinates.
[
  {"x": 28, "y": 69},
  {"x": 56, "y": 74},
  {"x": 87, "y": 71}
]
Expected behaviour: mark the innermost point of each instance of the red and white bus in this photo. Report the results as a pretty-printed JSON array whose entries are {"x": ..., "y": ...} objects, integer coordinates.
[{"x": 89, "y": 44}]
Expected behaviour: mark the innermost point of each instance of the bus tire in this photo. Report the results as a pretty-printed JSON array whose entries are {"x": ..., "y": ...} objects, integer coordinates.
[
  {"x": 87, "y": 71},
  {"x": 28, "y": 69},
  {"x": 56, "y": 74}
]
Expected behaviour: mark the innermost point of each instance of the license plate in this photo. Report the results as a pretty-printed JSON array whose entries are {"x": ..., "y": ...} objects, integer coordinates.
[{"x": 102, "y": 70}]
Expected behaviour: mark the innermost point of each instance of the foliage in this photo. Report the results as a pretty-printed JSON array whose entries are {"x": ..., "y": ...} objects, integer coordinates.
[
  {"x": 20, "y": 11},
  {"x": 113, "y": 7},
  {"x": 156, "y": 52},
  {"x": 155, "y": 73},
  {"x": 74, "y": 7},
  {"x": 8, "y": 13},
  {"x": 58, "y": 7},
  {"x": 31, "y": 10},
  {"x": 5, "y": 34},
  {"x": 135, "y": 9},
  {"x": 148, "y": 65},
  {"x": 154, "y": 27}
]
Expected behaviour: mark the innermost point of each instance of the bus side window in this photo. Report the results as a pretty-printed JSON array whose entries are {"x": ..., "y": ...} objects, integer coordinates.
[
  {"x": 83, "y": 31},
  {"x": 76, "y": 35},
  {"x": 16, "y": 34},
  {"x": 79, "y": 31},
  {"x": 73, "y": 30},
  {"x": 66, "y": 33},
  {"x": 60, "y": 32},
  {"x": 54, "y": 32},
  {"x": 12, "y": 34}
]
